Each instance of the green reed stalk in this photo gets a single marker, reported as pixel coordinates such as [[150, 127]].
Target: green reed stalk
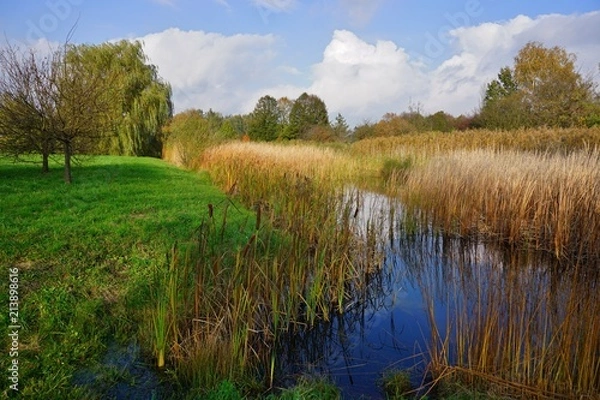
[[161, 327], [298, 265]]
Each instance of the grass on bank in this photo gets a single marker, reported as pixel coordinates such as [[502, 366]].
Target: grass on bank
[[86, 253]]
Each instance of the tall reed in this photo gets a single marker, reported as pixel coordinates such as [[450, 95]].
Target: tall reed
[[549, 202], [541, 140], [236, 162], [517, 324], [306, 257]]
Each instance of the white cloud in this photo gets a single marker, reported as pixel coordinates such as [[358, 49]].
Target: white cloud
[[365, 79], [457, 83], [361, 80], [210, 70]]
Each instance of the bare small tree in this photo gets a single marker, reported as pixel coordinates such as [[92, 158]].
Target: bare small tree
[[79, 105], [24, 128], [52, 100]]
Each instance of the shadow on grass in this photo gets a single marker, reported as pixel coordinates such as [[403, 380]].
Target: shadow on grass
[[86, 168]]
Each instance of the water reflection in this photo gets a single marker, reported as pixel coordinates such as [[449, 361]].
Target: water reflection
[[460, 302]]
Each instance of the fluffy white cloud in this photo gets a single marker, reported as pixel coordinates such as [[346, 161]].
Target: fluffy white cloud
[[361, 80], [456, 84], [365, 79], [210, 70]]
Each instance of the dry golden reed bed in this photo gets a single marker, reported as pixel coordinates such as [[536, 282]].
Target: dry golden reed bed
[[529, 140], [537, 188], [322, 164], [549, 202]]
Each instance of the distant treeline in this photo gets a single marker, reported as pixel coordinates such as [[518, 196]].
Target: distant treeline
[[542, 89], [107, 99]]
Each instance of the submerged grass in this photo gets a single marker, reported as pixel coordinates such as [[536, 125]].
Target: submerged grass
[[301, 264]]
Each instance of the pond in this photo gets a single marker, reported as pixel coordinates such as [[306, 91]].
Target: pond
[[458, 301]]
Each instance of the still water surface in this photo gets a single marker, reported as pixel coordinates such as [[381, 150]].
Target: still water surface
[[423, 277]]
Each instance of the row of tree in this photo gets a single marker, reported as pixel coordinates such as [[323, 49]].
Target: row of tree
[[190, 131], [84, 99], [107, 99], [542, 89], [285, 119]]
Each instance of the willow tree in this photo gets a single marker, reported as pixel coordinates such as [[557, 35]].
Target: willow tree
[[142, 99]]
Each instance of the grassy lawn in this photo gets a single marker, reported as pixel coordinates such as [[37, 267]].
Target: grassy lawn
[[86, 254]]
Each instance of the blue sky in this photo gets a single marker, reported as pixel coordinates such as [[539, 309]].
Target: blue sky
[[362, 57]]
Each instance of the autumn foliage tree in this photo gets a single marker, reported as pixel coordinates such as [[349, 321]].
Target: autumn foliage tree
[[393, 124], [542, 89]]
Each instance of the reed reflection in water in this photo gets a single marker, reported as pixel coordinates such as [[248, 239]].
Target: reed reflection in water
[[519, 322]]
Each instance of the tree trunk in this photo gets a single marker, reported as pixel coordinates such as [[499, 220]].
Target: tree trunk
[[45, 155], [45, 167], [68, 149]]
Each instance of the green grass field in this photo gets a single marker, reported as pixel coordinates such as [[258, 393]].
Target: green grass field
[[86, 254]]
